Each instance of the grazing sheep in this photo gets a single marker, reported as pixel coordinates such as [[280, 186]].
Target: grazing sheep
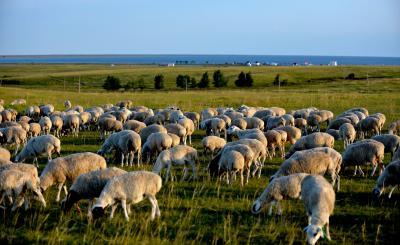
[[334, 132], [125, 104], [6, 116], [233, 114], [347, 134], [71, 122], [278, 111], [254, 122], [389, 178], [394, 128], [109, 125], [178, 155], [313, 121], [14, 184], [13, 135], [189, 126], [274, 139], [214, 126], [129, 188], [57, 124], [68, 168], [18, 102], [84, 120], [311, 141], [359, 109], [284, 187], [336, 123], [67, 104], [289, 120], [212, 144], [381, 119], [154, 128], [45, 124], [368, 126], [46, 110], [156, 143], [326, 116], [208, 113], [313, 161], [390, 141], [293, 133], [301, 123], [274, 122], [126, 142], [44, 144], [362, 153], [240, 123], [232, 162], [134, 125], [175, 139], [34, 130], [32, 111], [195, 117], [5, 154], [319, 201], [89, 186]]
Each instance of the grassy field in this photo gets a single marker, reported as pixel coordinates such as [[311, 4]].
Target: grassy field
[[204, 211]]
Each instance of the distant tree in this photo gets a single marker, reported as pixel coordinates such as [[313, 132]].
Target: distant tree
[[351, 76], [140, 84], [204, 81], [193, 83], [159, 81], [130, 85], [249, 80], [276, 80], [112, 83], [241, 81], [182, 81], [219, 79]]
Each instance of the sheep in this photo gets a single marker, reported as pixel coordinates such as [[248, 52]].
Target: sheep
[[248, 158], [154, 128], [44, 144], [293, 133], [319, 160], [263, 113], [6, 116], [212, 144], [129, 188], [13, 135], [326, 116], [175, 139], [84, 120], [178, 155], [214, 126], [301, 123], [34, 130], [394, 128], [67, 104], [274, 139], [156, 143], [240, 123], [311, 141], [125, 104], [389, 178], [381, 118], [109, 125], [134, 125], [334, 133], [71, 122], [189, 126], [233, 114], [274, 122], [5, 154], [195, 117], [126, 142], [347, 134], [57, 124], [228, 120], [89, 186], [14, 184], [175, 115], [368, 126], [208, 113], [313, 121], [289, 120], [68, 168], [362, 153], [46, 110], [390, 141], [45, 124], [278, 111], [336, 123], [319, 201], [359, 109], [279, 188], [32, 111], [254, 122], [18, 102], [232, 162]]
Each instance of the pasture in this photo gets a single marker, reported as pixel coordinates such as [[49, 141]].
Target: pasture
[[206, 211]]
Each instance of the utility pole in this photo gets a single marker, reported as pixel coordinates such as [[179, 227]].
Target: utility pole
[[79, 84], [64, 83], [186, 83], [368, 82]]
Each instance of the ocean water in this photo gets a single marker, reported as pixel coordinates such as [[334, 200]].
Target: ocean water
[[201, 59]]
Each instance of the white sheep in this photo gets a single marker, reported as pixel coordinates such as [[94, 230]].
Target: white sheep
[[311, 141], [89, 186], [347, 133], [232, 162], [212, 144], [178, 155], [134, 125], [45, 124], [57, 124], [175, 139], [156, 143], [390, 141], [319, 201], [13, 135], [177, 129], [147, 131], [389, 178], [68, 168], [44, 144], [293, 133], [5, 154], [34, 130], [394, 128], [195, 117], [71, 122], [129, 188], [189, 126], [368, 126], [283, 187], [274, 139]]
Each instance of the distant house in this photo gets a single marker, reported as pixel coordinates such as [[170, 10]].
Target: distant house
[[257, 63], [168, 64], [248, 63], [333, 63]]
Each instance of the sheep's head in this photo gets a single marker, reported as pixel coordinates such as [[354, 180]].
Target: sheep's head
[[376, 194], [314, 232], [72, 198], [257, 206], [97, 212], [38, 196]]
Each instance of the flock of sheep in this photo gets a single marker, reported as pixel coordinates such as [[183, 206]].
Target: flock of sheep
[[238, 140]]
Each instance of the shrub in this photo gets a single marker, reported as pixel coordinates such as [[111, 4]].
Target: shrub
[[112, 83], [182, 80], [159, 81], [351, 76], [204, 81], [219, 79], [241, 81]]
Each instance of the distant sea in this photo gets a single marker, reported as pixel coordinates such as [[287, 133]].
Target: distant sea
[[201, 59]]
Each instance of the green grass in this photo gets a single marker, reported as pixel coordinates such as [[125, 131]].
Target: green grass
[[204, 211]]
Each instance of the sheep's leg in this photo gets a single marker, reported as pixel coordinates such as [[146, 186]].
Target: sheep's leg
[[122, 159], [270, 207], [90, 214], [247, 175], [190, 139], [373, 171], [155, 211], [128, 208], [241, 178], [167, 173], [355, 170], [338, 183], [16, 149], [185, 173], [131, 156], [328, 235], [278, 206], [194, 171], [65, 190], [227, 177], [361, 172], [123, 204], [391, 191], [60, 185]]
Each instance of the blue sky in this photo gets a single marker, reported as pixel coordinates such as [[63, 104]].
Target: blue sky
[[281, 27]]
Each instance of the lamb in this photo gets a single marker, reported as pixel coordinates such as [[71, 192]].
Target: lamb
[[311, 141], [5, 154], [71, 122], [34, 130], [195, 117], [178, 155], [232, 162], [319, 201], [212, 144], [13, 135], [89, 186], [154, 128], [362, 153], [126, 142], [279, 188], [389, 178], [129, 188], [274, 139], [109, 125], [301, 123], [68, 168], [394, 128], [347, 134], [156, 143], [14, 184], [57, 124], [319, 161], [134, 125], [44, 144], [390, 141], [293, 133], [45, 124]]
